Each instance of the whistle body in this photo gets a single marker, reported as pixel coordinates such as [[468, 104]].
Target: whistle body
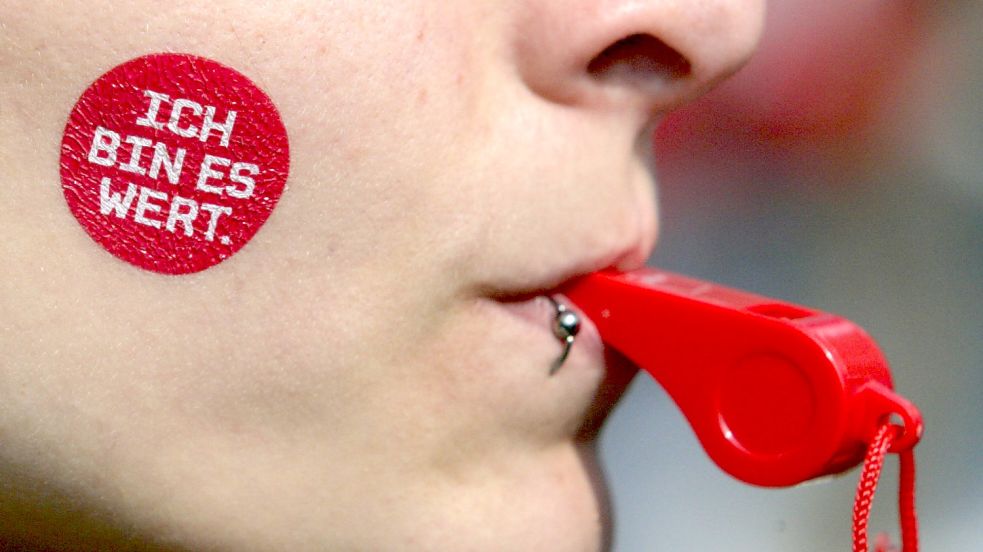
[[776, 393]]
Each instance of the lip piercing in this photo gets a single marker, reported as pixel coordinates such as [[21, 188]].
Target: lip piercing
[[565, 328]]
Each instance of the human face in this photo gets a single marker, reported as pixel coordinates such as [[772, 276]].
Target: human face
[[369, 373]]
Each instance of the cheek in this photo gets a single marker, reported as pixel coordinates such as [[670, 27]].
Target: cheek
[[365, 250], [379, 124]]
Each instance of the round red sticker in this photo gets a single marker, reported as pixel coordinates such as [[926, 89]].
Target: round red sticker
[[173, 162]]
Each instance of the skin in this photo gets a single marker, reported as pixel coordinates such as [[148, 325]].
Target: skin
[[353, 378]]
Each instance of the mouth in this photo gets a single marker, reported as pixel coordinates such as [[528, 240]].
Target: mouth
[[593, 377]]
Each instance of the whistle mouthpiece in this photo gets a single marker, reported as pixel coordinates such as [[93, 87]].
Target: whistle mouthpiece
[[777, 393]]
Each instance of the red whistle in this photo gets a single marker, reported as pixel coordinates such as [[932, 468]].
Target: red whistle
[[777, 393]]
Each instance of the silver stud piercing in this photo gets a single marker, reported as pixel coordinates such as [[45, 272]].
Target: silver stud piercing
[[565, 328]]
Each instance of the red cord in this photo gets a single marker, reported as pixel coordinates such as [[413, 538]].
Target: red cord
[[868, 486], [906, 502]]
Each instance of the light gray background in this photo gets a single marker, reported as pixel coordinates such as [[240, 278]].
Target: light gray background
[[898, 249]]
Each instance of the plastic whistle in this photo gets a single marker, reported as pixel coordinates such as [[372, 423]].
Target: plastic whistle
[[777, 393]]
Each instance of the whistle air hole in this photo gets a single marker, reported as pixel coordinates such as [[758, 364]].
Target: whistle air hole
[[781, 310], [767, 405]]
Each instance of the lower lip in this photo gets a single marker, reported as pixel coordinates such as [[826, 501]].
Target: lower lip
[[541, 313], [605, 374]]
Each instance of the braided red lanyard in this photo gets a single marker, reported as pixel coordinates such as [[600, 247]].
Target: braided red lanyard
[[868, 485]]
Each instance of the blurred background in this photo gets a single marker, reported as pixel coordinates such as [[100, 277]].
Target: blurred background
[[842, 169]]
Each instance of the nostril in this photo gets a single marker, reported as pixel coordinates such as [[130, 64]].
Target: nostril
[[639, 58]]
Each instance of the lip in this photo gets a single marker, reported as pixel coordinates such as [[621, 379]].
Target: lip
[[607, 372], [601, 374], [629, 257], [539, 312]]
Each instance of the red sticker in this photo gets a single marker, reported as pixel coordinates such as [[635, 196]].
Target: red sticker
[[173, 162]]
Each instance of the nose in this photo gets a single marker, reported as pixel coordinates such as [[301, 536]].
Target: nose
[[644, 55]]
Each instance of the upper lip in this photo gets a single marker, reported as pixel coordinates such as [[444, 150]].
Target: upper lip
[[623, 259], [620, 245]]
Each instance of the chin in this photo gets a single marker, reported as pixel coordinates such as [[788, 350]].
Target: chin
[[552, 500]]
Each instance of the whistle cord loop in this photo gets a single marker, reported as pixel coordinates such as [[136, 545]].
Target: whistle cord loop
[[869, 477]]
